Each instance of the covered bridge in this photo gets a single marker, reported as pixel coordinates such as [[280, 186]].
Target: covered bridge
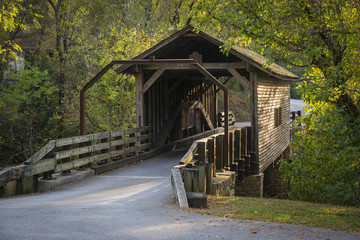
[[177, 85]]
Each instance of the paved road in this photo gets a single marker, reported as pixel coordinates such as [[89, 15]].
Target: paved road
[[297, 105], [131, 203]]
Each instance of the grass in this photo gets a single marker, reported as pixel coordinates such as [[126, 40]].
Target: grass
[[285, 211]]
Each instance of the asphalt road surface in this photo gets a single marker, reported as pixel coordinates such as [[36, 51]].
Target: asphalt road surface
[[297, 105], [131, 203]]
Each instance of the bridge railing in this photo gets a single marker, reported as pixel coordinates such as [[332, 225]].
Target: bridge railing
[[206, 158], [211, 149], [64, 154]]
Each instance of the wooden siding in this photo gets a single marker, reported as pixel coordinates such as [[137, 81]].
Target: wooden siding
[[272, 94]]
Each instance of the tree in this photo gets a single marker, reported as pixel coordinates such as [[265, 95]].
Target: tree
[[8, 24], [27, 115], [322, 38], [75, 40]]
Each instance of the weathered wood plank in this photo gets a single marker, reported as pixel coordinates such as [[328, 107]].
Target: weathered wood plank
[[179, 189], [11, 174], [123, 141], [139, 101], [211, 66], [211, 154], [202, 177], [238, 77], [81, 139], [81, 162], [231, 149], [243, 142], [202, 150], [42, 166], [118, 133], [237, 144], [144, 146], [189, 155], [117, 153], [219, 152], [81, 150], [144, 137], [41, 153]]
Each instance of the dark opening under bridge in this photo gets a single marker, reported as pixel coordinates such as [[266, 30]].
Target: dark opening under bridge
[[176, 102]]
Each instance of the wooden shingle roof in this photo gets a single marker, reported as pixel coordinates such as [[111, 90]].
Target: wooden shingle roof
[[245, 54]]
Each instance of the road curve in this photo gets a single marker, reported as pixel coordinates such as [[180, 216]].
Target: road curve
[[131, 203]]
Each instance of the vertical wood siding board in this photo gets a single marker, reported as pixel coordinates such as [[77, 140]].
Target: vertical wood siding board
[[161, 100], [157, 96], [280, 98], [153, 107], [139, 99]]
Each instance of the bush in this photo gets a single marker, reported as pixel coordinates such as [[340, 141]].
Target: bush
[[325, 167]]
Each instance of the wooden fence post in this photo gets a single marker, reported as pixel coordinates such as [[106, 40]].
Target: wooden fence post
[[250, 142], [243, 142], [237, 144], [65, 160], [202, 177], [202, 151], [191, 179], [119, 147], [219, 152], [104, 140], [132, 144], [209, 177], [231, 149], [211, 154]]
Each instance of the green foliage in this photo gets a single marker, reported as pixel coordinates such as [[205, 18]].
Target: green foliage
[[74, 40], [27, 114], [14, 17], [326, 166], [294, 93], [8, 23], [321, 37], [111, 103]]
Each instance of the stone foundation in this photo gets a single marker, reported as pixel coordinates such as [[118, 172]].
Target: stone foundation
[[224, 184], [252, 186], [22, 186], [273, 182]]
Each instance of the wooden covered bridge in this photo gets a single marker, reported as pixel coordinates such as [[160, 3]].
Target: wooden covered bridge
[[176, 97]]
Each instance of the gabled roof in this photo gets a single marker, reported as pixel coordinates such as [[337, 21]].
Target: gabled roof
[[245, 54]]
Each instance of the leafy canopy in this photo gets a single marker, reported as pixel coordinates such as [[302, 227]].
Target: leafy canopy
[[322, 38]]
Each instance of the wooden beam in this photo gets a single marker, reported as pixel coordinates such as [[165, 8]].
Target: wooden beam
[[254, 113], [242, 81], [225, 82], [139, 99], [200, 106], [152, 79], [211, 66]]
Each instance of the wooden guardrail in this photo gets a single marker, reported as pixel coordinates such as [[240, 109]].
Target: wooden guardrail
[[64, 154], [241, 158]]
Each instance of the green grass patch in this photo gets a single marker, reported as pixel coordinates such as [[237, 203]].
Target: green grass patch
[[285, 211]]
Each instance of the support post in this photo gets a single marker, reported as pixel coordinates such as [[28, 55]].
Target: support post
[[82, 112], [139, 99], [202, 151], [211, 154], [237, 144], [219, 152], [231, 149]]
